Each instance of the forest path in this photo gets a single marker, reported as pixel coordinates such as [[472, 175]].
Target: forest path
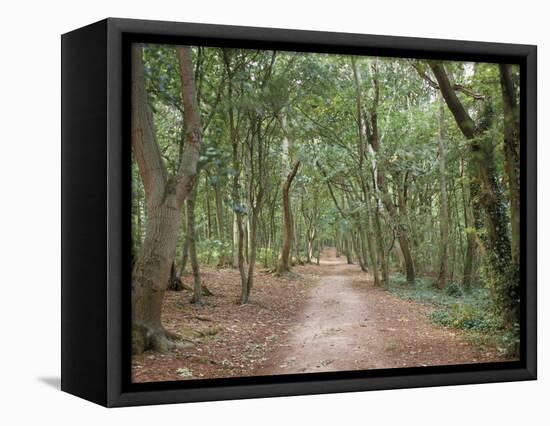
[[346, 324]]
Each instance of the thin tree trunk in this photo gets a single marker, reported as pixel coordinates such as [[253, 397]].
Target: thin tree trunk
[[284, 264], [443, 204], [347, 251], [356, 248], [245, 295], [220, 228], [192, 237], [235, 240], [209, 231], [318, 252], [238, 225], [185, 251], [371, 243], [471, 243]]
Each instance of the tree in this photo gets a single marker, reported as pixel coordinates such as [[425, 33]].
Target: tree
[[164, 197], [370, 121], [491, 197], [287, 176]]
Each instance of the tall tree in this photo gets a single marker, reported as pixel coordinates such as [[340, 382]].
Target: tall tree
[[504, 275], [164, 195], [370, 119], [286, 178]]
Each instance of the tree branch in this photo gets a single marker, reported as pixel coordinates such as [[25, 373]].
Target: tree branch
[[463, 119], [456, 87], [146, 150]]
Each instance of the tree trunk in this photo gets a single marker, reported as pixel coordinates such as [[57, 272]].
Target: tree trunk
[[246, 228], [356, 248], [284, 264], [175, 283], [238, 208], [220, 228], [192, 237], [401, 233], [235, 240], [164, 196], [318, 252], [511, 153], [310, 241], [297, 241], [245, 294], [149, 277], [443, 204], [379, 253], [184, 255], [471, 243], [364, 244], [347, 251], [206, 197]]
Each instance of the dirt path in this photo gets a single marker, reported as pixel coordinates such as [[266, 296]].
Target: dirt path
[[321, 318], [348, 324]]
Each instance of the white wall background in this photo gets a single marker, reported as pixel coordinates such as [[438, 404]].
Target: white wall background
[[30, 210]]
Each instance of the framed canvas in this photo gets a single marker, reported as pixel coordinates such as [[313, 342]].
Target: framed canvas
[[256, 212]]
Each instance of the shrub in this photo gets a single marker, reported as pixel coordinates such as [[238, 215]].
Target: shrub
[[454, 290], [464, 316]]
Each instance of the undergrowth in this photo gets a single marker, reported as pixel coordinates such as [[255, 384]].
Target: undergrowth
[[470, 312]]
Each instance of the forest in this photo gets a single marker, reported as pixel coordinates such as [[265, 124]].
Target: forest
[[378, 195]]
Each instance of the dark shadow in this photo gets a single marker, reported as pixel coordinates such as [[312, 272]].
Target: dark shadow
[[54, 382]]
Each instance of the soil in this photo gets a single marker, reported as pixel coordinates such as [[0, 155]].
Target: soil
[[319, 318]]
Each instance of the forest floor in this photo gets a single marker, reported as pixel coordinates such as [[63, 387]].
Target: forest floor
[[319, 318]]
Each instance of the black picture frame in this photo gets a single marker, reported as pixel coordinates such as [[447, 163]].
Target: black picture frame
[[95, 212]]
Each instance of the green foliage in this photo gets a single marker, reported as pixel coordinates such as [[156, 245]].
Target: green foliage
[[467, 316], [454, 289], [209, 249], [473, 312]]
